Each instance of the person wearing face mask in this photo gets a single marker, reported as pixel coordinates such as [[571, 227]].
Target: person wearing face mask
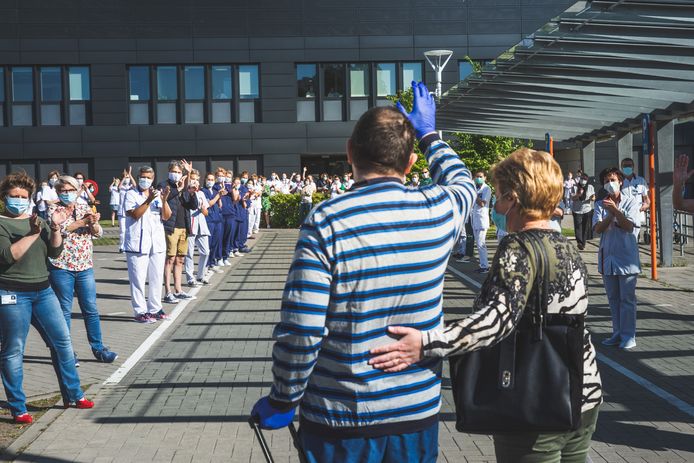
[[46, 196], [84, 195], [499, 221], [214, 221], [414, 183], [229, 212], [480, 219], [568, 190], [145, 245], [347, 181], [307, 198], [72, 272], [636, 186], [582, 211], [26, 297], [246, 203], [255, 209], [114, 202], [199, 234], [182, 200], [528, 184], [240, 203], [617, 221], [127, 182]]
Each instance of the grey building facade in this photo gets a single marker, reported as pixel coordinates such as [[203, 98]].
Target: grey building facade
[[263, 85]]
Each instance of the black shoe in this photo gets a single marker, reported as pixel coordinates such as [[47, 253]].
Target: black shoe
[[245, 250]]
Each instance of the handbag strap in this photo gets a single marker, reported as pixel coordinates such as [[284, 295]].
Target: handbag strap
[[541, 284]]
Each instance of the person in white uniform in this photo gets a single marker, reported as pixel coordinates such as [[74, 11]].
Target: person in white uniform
[[199, 235], [480, 219], [127, 182], [636, 186], [145, 245]]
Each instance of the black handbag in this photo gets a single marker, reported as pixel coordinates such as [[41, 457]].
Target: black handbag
[[532, 380]]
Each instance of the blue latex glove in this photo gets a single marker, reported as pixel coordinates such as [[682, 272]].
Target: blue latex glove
[[423, 115], [269, 417]]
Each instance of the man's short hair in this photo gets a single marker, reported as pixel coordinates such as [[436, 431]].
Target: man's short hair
[[175, 163], [146, 170], [382, 141], [627, 160]]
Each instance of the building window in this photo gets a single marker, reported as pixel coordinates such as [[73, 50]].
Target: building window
[[138, 77], [359, 90], [344, 91], [167, 95], [248, 93], [80, 94], [464, 69], [222, 91], [411, 72], [386, 85], [51, 95], [306, 83], [194, 94], [333, 80], [22, 96], [194, 107]]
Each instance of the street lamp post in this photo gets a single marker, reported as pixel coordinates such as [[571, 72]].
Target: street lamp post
[[438, 59]]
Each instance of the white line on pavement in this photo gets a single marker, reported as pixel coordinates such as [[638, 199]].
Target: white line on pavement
[[135, 357], [666, 396], [116, 313]]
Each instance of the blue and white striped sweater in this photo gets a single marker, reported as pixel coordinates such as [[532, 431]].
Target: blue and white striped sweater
[[371, 258]]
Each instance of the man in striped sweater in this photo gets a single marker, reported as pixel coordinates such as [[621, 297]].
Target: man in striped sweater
[[368, 259]]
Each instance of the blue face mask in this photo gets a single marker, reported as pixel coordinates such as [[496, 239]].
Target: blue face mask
[[68, 198], [499, 218], [17, 206], [628, 171], [479, 181]]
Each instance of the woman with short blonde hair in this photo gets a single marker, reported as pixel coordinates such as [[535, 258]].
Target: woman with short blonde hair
[[528, 186]]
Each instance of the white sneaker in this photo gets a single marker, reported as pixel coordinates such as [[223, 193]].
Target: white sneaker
[[170, 298], [204, 280], [218, 269], [238, 254], [226, 262], [193, 283]]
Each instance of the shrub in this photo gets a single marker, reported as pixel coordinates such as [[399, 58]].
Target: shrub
[[285, 211]]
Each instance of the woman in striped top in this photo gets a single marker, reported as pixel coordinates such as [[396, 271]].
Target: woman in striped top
[[528, 185]]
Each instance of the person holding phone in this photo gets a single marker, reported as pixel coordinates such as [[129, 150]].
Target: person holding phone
[[145, 245]]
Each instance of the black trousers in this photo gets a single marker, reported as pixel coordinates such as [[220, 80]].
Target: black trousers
[[582, 227]]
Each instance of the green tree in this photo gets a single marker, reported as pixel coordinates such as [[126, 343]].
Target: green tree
[[479, 152]]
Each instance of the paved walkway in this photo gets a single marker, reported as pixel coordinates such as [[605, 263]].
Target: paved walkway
[[188, 399]]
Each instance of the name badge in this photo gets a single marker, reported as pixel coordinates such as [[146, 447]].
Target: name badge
[[8, 299]]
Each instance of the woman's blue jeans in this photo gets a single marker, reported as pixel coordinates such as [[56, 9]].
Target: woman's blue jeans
[[41, 309], [66, 284]]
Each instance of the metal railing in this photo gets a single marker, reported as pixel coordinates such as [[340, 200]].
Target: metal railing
[[682, 230]]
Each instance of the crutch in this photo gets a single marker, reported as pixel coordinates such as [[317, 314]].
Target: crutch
[[266, 449]]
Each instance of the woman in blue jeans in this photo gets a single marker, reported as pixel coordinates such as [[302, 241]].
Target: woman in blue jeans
[[27, 298], [72, 271]]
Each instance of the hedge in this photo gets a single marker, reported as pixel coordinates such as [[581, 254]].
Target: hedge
[[286, 208]]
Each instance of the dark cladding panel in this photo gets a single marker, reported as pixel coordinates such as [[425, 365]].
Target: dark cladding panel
[[264, 145], [223, 147], [440, 27]]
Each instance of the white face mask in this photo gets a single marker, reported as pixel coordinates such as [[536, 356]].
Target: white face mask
[[209, 183], [175, 176], [145, 183], [80, 181], [611, 187], [221, 179], [584, 182]]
